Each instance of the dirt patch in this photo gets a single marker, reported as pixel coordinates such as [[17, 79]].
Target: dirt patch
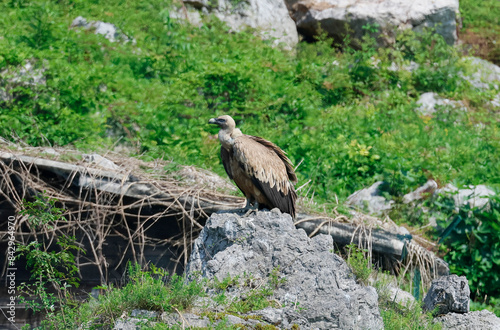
[[484, 44]]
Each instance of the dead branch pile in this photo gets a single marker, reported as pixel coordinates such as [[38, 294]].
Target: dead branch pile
[[110, 206]]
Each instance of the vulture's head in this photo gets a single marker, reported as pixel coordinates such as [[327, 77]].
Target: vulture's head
[[224, 122]]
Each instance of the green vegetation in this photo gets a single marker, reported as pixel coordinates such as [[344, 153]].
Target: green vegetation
[[396, 316], [53, 272], [152, 290], [359, 263], [155, 290], [347, 115], [472, 241]]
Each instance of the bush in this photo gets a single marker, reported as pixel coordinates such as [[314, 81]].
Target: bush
[[53, 269], [472, 247]]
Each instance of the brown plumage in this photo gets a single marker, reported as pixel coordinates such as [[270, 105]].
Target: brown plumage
[[259, 168]]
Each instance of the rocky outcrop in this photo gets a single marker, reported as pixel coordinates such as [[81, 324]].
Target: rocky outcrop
[[449, 294], [269, 17], [339, 18], [315, 278], [370, 199]]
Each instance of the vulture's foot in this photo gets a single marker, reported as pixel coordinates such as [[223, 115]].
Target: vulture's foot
[[250, 211], [249, 208], [246, 211]]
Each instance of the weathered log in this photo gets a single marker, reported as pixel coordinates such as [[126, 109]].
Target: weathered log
[[125, 185], [382, 241]]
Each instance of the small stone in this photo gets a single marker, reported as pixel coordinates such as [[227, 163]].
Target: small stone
[[141, 313], [448, 294], [401, 297], [370, 199], [108, 30], [428, 188], [430, 103], [100, 161]]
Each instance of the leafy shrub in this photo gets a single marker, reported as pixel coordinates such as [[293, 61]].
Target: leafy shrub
[[472, 247], [51, 268]]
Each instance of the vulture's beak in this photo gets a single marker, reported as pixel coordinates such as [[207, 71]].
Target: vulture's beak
[[212, 121]]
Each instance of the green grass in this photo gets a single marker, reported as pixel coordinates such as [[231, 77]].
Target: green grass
[[155, 290], [151, 290], [484, 14]]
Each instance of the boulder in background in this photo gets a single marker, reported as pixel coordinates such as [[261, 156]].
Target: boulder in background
[[337, 17]]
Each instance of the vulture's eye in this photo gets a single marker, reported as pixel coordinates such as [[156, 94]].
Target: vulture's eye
[[222, 120]]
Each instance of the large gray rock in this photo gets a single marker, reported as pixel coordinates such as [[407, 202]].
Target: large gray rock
[[474, 196], [317, 280], [449, 294], [269, 17], [430, 103], [427, 189], [108, 30], [333, 16], [29, 75], [478, 320], [370, 199]]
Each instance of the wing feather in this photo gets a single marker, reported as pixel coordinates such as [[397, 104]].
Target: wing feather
[[286, 203], [281, 154], [269, 169], [226, 161]]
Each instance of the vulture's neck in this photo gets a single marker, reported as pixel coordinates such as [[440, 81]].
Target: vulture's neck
[[227, 136]]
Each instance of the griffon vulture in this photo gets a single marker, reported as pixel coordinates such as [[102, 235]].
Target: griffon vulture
[[259, 168]]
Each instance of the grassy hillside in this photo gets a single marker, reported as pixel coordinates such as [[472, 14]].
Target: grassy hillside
[[344, 114]]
